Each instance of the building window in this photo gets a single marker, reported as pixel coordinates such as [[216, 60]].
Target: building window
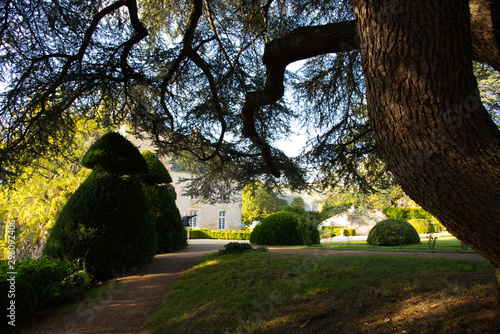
[[222, 220], [193, 221]]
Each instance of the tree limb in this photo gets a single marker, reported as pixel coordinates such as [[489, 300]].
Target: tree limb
[[312, 41]]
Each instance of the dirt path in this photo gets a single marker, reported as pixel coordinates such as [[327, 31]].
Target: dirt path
[[126, 308]]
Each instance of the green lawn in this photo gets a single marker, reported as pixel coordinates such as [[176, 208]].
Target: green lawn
[[276, 293], [445, 243]]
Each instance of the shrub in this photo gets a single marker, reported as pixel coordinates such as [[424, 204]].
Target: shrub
[[349, 232], [284, 228], [166, 217], [422, 225], [115, 154], [393, 232], [48, 277], [236, 246], [25, 297], [108, 222]]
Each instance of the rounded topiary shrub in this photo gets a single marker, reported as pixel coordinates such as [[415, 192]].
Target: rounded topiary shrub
[[115, 154], [421, 225], [107, 222], [393, 232], [284, 228]]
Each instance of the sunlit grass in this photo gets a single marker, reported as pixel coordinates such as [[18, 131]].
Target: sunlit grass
[[445, 243], [276, 293]]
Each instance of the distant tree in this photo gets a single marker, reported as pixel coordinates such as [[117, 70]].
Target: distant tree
[[259, 201], [298, 201], [43, 189]]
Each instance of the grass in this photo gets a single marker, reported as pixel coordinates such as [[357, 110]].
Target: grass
[[275, 293], [445, 243]]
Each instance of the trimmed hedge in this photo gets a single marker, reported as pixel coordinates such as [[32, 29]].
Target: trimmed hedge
[[393, 232], [336, 230], [407, 213], [285, 228], [219, 234], [422, 225], [107, 221]]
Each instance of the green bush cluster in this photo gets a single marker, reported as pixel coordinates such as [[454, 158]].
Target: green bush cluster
[[39, 283], [285, 228], [393, 232], [219, 234]]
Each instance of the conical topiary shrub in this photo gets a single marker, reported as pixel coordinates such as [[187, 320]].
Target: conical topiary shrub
[[107, 221], [115, 154], [166, 217]]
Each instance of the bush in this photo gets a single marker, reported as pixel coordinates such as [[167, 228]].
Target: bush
[[115, 154], [422, 225], [167, 220], [25, 297], [393, 232], [236, 246], [107, 221], [49, 279], [284, 228]]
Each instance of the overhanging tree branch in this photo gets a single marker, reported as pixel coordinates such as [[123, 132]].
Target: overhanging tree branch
[[307, 42]]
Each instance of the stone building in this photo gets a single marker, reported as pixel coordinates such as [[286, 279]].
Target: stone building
[[224, 215]]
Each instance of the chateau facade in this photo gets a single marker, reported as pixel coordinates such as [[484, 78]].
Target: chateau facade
[[221, 216]]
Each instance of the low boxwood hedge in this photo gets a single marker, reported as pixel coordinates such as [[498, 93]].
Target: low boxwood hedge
[[204, 233], [337, 230]]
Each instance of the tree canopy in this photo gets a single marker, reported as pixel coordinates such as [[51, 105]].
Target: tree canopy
[[190, 75]]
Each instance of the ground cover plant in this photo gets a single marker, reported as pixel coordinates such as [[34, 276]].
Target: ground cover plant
[[278, 293]]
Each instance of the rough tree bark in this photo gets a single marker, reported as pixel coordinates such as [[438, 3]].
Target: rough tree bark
[[436, 137]]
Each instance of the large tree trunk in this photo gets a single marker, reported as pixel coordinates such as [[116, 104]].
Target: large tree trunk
[[437, 139]]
